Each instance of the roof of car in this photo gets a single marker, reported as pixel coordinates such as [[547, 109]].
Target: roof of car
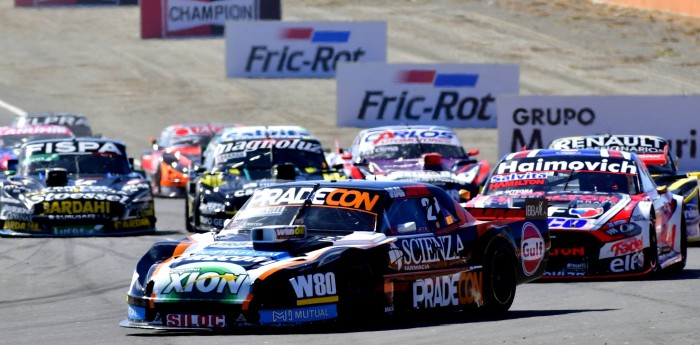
[[616, 141], [567, 152], [77, 139], [358, 184], [34, 129]]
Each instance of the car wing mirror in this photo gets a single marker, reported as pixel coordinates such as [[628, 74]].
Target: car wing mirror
[[406, 227]]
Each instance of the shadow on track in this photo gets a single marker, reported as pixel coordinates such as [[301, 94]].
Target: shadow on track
[[393, 323]]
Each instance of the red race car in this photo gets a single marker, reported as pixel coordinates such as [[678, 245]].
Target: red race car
[[171, 155]]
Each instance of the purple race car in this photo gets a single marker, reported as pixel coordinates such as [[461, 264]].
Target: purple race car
[[430, 154]]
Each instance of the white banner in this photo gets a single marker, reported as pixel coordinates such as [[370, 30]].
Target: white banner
[[270, 49], [454, 95], [185, 14], [534, 121]]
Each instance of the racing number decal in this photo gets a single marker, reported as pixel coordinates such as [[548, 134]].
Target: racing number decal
[[432, 208]]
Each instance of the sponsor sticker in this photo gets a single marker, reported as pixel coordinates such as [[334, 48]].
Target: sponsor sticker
[[315, 288], [531, 248], [338, 197], [536, 208], [462, 288], [195, 321], [425, 252], [629, 143], [74, 147], [136, 313], [307, 314], [622, 247], [602, 164]]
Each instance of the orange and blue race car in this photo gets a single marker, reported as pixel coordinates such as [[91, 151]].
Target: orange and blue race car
[[179, 147], [351, 251]]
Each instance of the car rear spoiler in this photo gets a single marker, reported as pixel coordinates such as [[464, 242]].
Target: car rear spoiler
[[535, 208]]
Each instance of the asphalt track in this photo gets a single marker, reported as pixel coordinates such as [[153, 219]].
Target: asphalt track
[[72, 291], [91, 60]]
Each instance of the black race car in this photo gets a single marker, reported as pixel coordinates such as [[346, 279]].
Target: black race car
[[236, 165], [318, 251], [75, 187]]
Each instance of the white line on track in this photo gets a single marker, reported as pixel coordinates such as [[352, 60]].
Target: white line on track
[[12, 108]]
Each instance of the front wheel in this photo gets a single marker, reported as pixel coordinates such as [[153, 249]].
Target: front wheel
[[188, 218], [358, 297], [679, 266], [499, 279], [651, 254], [155, 182]]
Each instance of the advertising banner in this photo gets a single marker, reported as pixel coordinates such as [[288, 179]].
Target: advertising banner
[[454, 95], [188, 18], [534, 121], [269, 49], [39, 3]]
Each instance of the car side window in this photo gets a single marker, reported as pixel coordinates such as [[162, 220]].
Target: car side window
[[406, 217], [417, 215], [645, 179], [164, 139]]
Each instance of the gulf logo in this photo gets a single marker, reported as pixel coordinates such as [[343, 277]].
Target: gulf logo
[[432, 77], [309, 34], [531, 248]]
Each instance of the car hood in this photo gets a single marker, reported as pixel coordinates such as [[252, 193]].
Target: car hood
[[191, 151], [114, 188], [250, 179], [223, 269], [571, 211]]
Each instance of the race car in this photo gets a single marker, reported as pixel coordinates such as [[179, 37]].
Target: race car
[[179, 146], [397, 150], [78, 124], [246, 159], [430, 169], [607, 217], [12, 138], [654, 151], [75, 187], [227, 134], [349, 251]]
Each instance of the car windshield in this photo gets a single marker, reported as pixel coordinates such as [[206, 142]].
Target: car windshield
[[662, 169], [320, 209], [191, 140], [316, 218], [80, 163], [413, 150], [556, 178], [15, 141], [265, 158]]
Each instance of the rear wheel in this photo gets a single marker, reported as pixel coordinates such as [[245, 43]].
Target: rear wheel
[[499, 279]]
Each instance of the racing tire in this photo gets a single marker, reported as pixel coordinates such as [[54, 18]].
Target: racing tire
[[188, 219], [651, 254], [358, 301], [499, 279], [679, 266], [155, 183]]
